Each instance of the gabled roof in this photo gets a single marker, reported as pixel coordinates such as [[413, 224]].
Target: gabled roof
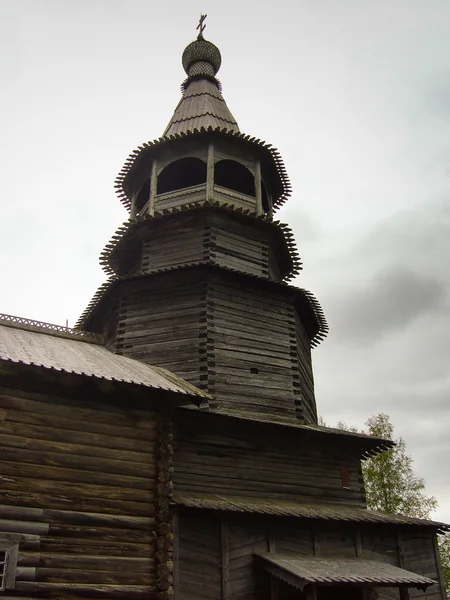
[[31, 343], [202, 106]]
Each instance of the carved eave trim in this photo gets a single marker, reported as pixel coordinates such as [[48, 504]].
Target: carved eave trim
[[128, 227], [322, 328], [272, 153], [99, 294]]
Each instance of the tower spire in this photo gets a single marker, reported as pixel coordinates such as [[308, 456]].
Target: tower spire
[[202, 104]]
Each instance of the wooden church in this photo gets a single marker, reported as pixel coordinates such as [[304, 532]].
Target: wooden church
[[168, 446]]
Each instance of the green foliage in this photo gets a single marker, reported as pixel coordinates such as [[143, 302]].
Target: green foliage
[[391, 485], [444, 549]]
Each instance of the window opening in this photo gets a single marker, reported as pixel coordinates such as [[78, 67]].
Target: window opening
[[234, 176], [8, 564], [183, 173]]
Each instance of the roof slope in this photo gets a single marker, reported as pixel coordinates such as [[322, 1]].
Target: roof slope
[[52, 350], [289, 508], [202, 105], [338, 570]]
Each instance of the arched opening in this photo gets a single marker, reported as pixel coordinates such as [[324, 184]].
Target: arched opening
[[143, 196], [180, 174], [234, 176]]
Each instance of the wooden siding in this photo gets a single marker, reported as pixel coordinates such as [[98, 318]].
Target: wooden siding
[[254, 372], [212, 331], [78, 491], [160, 324], [418, 554], [214, 237], [214, 455], [240, 252], [217, 552], [174, 244], [199, 571], [304, 373]]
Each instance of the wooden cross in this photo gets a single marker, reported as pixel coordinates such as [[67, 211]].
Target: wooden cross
[[201, 27]]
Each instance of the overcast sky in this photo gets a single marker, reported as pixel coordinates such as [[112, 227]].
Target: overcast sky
[[356, 96]]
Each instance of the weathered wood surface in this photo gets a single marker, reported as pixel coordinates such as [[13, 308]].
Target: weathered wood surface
[[419, 555], [160, 325], [200, 555], [78, 482], [217, 551], [252, 371], [214, 456]]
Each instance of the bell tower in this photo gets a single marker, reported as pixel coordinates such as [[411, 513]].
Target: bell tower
[[199, 274]]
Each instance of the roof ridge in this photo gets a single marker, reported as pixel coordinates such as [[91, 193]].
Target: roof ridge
[[52, 329]]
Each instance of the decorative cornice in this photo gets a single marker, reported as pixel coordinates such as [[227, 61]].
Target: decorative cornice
[[127, 226], [273, 152], [50, 328], [322, 325]]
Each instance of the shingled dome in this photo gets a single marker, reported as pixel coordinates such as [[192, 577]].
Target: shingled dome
[[201, 58]]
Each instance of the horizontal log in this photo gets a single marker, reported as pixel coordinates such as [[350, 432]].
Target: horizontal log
[[49, 458], [43, 499], [88, 590]]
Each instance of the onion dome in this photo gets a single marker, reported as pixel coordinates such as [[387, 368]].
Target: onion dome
[[201, 58]]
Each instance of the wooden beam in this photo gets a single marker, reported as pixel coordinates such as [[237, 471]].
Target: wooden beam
[[358, 545], [225, 560], [153, 188], [133, 206], [210, 173], [258, 191], [439, 567]]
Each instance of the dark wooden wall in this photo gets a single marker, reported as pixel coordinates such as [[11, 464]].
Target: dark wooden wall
[[214, 454], [241, 341], [256, 360], [217, 562], [77, 488], [160, 323]]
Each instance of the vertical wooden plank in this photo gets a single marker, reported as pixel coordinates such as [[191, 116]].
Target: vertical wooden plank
[[439, 567], [176, 554], [315, 539], [133, 206], [225, 560], [153, 188], [210, 173], [311, 592], [274, 588], [259, 206], [358, 544]]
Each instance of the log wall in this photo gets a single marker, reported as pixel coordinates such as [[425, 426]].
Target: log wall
[[78, 491], [220, 238], [212, 330], [218, 455], [160, 323]]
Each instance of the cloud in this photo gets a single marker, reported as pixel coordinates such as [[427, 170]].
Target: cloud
[[395, 297]]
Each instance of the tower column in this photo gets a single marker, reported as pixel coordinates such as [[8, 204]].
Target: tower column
[[153, 188], [258, 191], [133, 206], [210, 173]]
